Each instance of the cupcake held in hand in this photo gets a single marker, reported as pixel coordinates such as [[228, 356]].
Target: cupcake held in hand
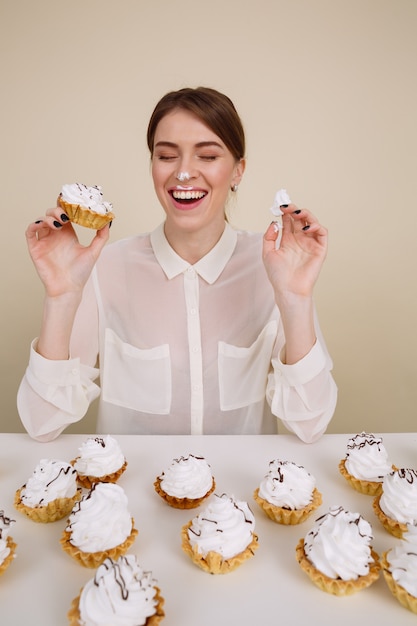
[[337, 555], [121, 593], [222, 536], [85, 205], [186, 483], [366, 463], [288, 493], [7, 545], [99, 526], [100, 459], [50, 493]]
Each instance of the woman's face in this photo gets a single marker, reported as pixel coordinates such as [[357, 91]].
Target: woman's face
[[183, 143]]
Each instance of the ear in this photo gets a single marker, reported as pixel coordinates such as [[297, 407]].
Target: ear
[[239, 171]]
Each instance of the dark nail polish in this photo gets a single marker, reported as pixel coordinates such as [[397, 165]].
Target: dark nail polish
[[57, 224], [64, 217], [38, 221], [306, 227], [110, 223], [297, 212], [284, 205]]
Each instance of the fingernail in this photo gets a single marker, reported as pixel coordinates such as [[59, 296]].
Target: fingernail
[[57, 224], [110, 223], [306, 227], [284, 205], [64, 217], [297, 212], [38, 221]]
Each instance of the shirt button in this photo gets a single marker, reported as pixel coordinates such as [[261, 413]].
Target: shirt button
[[195, 349], [74, 372], [193, 311]]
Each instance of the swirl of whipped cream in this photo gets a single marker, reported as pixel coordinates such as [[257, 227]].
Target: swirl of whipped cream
[[403, 561], [5, 523], [399, 495], [99, 456], [367, 458], [101, 519], [88, 197], [281, 198], [287, 485], [51, 479], [187, 477], [120, 594], [339, 544], [225, 526]]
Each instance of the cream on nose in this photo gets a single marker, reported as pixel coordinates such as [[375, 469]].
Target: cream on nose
[[183, 176]]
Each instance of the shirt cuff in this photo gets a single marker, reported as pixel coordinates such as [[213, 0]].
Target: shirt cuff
[[58, 373], [304, 370]]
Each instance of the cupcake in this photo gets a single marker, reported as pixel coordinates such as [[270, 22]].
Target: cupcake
[[396, 506], [50, 493], [121, 592], [399, 567], [100, 459], [222, 536], [99, 526], [7, 545], [85, 206], [366, 463], [288, 493], [186, 483], [336, 553]]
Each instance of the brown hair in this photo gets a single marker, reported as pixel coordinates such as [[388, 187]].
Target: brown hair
[[213, 108]]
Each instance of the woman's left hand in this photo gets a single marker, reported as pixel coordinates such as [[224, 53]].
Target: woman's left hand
[[294, 267]]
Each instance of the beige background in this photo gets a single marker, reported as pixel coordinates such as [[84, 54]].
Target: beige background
[[328, 94]]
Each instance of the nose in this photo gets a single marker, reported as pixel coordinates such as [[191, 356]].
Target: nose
[[186, 171]]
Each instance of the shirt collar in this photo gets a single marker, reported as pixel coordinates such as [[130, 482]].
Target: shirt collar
[[209, 267]]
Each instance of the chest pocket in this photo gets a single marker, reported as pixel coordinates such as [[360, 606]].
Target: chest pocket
[[243, 372], [134, 378]]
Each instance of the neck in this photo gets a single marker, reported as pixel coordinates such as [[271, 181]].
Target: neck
[[193, 245]]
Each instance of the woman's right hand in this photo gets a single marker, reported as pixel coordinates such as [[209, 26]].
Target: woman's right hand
[[63, 264]]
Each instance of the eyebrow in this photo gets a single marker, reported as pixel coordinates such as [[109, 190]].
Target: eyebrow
[[200, 144]]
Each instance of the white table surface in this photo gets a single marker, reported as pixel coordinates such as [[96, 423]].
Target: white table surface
[[39, 585]]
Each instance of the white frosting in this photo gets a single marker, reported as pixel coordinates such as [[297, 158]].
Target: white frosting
[[101, 519], [367, 458], [99, 456], [287, 485], [5, 523], [225, 526], [339, 544], [187, 477], [399, 496], [120, 594], [281, 198], [403, 561], [88, 197], [51, 479]]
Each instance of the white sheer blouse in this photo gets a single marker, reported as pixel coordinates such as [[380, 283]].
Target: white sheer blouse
[[181, 349]]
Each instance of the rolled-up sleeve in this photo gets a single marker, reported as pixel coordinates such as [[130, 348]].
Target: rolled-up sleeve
[[58, 392], [303, 395]]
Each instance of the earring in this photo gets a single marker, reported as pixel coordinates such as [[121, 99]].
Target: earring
[[234, 187]]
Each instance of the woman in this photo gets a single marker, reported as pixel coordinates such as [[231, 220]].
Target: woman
[[192, 335]]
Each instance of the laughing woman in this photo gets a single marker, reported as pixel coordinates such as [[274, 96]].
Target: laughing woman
[[194, 328]]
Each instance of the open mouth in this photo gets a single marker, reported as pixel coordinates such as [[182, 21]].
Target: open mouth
[[187, 196]]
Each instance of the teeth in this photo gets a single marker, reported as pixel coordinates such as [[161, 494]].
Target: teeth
[[188, 195]]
